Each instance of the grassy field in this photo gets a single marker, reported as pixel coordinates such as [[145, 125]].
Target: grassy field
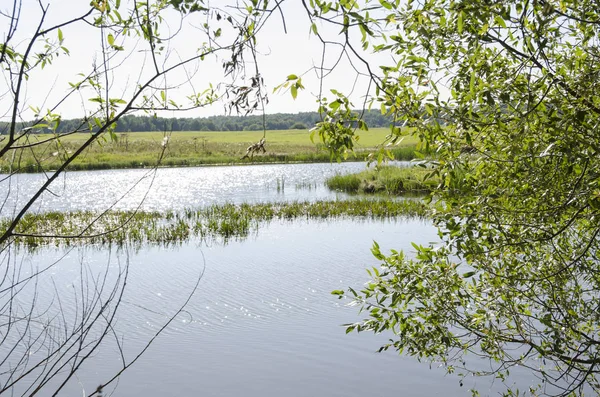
[[389, 179], [142, 149]]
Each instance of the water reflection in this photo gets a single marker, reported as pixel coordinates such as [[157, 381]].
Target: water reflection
[[263, 321]]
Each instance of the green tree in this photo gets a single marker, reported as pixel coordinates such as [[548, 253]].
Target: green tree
[[298, 126], [506, 94]]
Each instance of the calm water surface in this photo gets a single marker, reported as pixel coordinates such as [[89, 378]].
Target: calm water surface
[[263, 321]]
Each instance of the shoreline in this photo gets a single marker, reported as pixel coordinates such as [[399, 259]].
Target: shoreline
[[33, 169]]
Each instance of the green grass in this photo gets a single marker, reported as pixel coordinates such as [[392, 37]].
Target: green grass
[[386, 179], [142, 149], [221, 222]]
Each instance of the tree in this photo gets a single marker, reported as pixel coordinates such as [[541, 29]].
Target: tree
[[298, 126], [506, 94], [42, 344]]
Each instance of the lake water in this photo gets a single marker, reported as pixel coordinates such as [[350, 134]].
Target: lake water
[[176, 188], [262, 321]]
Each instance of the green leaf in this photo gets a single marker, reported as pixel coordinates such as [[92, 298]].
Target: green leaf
[[500, 21], [363, 32], [385, 4], [111, 39], [362, 126], [313, 28]]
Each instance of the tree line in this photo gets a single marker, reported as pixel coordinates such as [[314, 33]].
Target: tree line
[[134, 123]]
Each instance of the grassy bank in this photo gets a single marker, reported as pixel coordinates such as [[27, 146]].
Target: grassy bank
[[216, 222], [141, 149], [388, 179]]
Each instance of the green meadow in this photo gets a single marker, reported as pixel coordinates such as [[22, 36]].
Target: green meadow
[[143, 149]]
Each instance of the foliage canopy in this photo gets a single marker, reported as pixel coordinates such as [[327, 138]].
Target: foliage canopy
[[515, 278]]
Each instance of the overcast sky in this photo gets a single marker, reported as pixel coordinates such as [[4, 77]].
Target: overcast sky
[[281, 54]]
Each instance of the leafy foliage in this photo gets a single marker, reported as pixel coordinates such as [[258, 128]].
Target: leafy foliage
[[515, 277]]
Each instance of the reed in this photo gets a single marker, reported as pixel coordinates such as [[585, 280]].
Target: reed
[[217, 222]]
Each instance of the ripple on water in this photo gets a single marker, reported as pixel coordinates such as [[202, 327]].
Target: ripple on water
[[263, 320]]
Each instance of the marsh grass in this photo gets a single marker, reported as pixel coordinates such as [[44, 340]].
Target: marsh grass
[[218, 222], [141, 149], [306, 186], [391, 180]]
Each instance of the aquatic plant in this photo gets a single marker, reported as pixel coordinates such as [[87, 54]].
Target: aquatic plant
[[385, 179], [216, 222]]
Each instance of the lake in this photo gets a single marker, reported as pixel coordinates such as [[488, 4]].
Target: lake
[[177, 188], [262, 321]]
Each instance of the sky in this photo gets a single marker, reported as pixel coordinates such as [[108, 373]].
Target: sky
[[280, 53]]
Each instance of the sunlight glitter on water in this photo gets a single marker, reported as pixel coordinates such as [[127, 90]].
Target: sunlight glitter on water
[[177, 188]]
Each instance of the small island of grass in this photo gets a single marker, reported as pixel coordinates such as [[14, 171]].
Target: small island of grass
[[386, 179]]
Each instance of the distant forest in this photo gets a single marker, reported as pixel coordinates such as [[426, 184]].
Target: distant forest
[[278, 121]]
